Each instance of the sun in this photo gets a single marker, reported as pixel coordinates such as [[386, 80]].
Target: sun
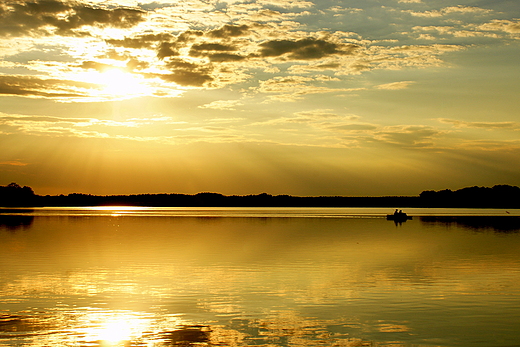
[[115, 83], [118, 83]]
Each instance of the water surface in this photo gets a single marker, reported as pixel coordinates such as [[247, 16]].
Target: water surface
[[258, 277]]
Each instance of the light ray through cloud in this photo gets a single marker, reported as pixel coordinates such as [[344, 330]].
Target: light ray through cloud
[[161, 80]]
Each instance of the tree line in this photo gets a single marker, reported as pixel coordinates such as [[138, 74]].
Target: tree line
[[498, 196]]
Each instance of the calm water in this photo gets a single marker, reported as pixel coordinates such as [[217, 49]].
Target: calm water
[[259, 277]]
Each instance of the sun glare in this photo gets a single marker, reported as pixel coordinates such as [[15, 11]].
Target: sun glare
[[118, 208], [116, 211], [114, 329], [115, 332], [116, 83]]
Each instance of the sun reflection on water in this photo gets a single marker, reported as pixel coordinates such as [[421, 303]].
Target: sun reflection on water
[[127, 328], [117, 332], [116, 211], [112, 329]]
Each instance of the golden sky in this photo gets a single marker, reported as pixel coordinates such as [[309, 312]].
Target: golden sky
[[331, 97]]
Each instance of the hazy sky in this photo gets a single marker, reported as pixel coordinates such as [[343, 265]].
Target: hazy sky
[[331, 97]]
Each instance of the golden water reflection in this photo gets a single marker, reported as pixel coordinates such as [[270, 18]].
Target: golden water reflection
[[112, 328], [87, 327], [95, 327], [160, 281]]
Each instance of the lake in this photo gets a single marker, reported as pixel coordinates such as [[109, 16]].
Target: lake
[[259, 277]]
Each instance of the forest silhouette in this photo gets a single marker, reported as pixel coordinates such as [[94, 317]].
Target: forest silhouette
[[498, 196]]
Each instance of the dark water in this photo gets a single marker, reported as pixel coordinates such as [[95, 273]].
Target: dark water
[[259, 277]]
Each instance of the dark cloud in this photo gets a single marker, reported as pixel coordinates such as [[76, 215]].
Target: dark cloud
[[330, 66], [42, 17], [187, 74], [225, 57], [212, 47], [224, 49], [304, 49], [216, 52], [189, 36], [171, 48], [169, 43], [167, 49], [119, 17], [229, 31], [37, 87], [188, 78], [94, 65], [142, 41], [176, 64]]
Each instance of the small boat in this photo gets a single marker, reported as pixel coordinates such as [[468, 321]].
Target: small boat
[[398, 217]]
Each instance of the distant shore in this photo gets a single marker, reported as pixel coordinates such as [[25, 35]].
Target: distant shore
[[498, 196]]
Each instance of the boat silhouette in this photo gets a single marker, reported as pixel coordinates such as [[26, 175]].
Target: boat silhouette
[[398, 216]]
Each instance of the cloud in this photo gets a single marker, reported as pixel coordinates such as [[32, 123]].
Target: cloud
[[395, 85], [481, 125], [466, 9], [369, 57], [141, 41], [86, 127], [31, 86], [449, 30], [408, 136], [236, 45], [512, 27], [46, 17], [499, 146], [340, 9], [353, 127], [293, 88], [322, 114], [287, 3], [168, 57], [33, 122], [13, 163], [316, 116], [304, 49], [227, 31], [188, 75], [319, 118], [222, 104], [216, 52], [102, 84], [442, 29], [450, 10]]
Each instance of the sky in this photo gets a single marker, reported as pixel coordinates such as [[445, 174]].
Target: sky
[[307, 98]]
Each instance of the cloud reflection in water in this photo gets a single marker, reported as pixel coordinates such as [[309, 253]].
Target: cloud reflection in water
[[168, 281]]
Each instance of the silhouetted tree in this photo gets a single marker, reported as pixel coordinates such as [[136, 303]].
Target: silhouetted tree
[[499, 196], [15, 195]]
